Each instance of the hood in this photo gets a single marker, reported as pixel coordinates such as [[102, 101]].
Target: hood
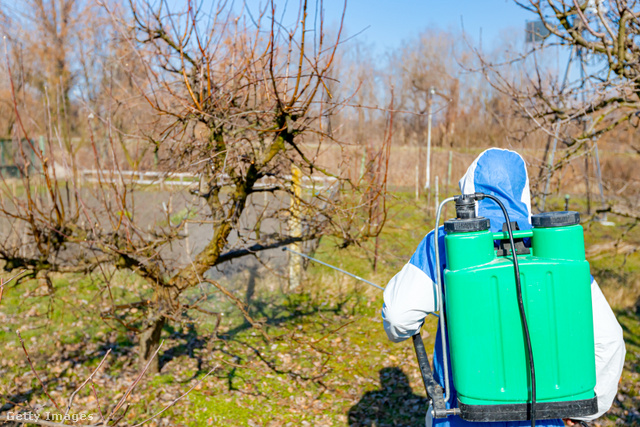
[[502, 173]]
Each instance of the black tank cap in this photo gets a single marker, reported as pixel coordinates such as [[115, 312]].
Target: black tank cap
[[466, 225], [465, 206], [555, 219]]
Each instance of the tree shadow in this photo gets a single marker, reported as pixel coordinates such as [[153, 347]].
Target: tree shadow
[[394, 404], [190, 342], [631, 337], [251, 284], [275, 313]]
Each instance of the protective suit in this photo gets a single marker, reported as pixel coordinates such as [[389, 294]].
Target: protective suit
[[411, 294]]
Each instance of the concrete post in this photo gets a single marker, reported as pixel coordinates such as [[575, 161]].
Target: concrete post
[[427, 183], [295, 229]]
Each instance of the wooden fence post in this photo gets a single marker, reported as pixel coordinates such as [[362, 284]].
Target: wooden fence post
[[417, 182], [437, 195], [449, 169]]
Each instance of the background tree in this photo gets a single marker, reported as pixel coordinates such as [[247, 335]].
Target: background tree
[[57, 47], [598, 98]]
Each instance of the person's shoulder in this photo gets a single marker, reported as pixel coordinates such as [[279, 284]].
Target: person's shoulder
[[426, 248]]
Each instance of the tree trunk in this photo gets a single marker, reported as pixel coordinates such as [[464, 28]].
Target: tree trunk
[[149, 342]]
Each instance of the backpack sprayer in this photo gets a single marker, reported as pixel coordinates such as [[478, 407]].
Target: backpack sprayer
[[506, 305], [520, 349]]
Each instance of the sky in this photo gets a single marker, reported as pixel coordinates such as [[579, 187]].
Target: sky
[[386, 24]]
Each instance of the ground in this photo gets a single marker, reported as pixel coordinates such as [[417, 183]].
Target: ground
[[327, 362]]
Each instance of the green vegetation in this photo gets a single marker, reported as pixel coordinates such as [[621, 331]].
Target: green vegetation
[[328, 355]]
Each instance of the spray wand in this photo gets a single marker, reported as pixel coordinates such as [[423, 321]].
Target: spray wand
[[334, 267]]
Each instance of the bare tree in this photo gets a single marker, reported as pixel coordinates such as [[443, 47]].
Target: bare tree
[[606, 32], [237, 103], [577, 107]]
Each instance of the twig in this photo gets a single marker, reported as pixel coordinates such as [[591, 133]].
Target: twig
[[95, 394], [117, 420], [176, 400], [241, 306], [36, 373], [3, 282], [90, 378], [334, 331], [212, 313], [131, 387]]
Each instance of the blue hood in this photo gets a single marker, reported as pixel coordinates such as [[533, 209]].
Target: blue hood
[[502, 173]]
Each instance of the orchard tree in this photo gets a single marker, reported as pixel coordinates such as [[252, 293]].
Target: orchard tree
[[237, 102]]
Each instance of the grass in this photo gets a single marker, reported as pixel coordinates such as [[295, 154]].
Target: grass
[[328, 362], [626, 407]]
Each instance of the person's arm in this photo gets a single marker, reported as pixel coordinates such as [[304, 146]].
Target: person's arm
[[610, 352], [411, 294], [408, 298]]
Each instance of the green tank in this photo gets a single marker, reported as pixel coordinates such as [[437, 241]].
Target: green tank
[[485, 332]]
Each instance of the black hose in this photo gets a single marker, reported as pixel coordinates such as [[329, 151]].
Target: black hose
[[523, 317]]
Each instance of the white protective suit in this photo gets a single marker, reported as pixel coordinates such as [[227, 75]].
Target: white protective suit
[[411, 294]]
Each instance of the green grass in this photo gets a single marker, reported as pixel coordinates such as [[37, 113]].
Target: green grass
[[328, 356], [183, 214], [625, 410]]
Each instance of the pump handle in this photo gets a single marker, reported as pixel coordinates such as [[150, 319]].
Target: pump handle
[[433, 389]]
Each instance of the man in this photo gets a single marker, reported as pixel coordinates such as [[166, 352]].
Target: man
[[411, 294]]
